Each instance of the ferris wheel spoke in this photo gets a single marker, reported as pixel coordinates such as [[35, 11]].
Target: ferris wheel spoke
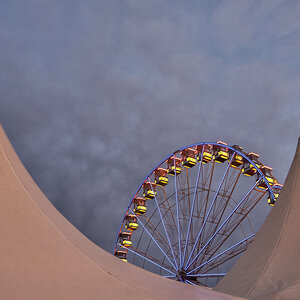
[[234, 248], [190, 282], [230, 189], [154, 231], [210, 177], [147, 258], [233, 223], [169, 209], [146, 251], [138, 243], [218, 215], [156, 243], [208, 213], [208, 275], [168, 214], [177, 212], [163, 223], [225, 221], [209, 189], [192, 208], [224, 259]]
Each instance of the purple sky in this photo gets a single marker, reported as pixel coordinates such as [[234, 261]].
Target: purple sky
[[94, 93]]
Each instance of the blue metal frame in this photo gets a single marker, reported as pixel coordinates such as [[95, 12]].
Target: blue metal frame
[[223, 252], [154, 240], [146, 258], [174, 153], [177, 212], [207, 215], [162, 220], [170, 276], [207, 275], [192, 283], [224, 222], [193, 204]]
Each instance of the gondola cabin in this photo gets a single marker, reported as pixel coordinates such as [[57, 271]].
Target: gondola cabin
[[239, 148], [149, 190], [174, 165], [276, 190], [221, 156], [267, 171], [125, 239], [149, 194], [221, 152], [161, 177], [237, 160], [139, 206], [140, 209], [205, 153], [189, 162], [271, 201], [131, 222], [249, 169], [121, 254], [188, 157]]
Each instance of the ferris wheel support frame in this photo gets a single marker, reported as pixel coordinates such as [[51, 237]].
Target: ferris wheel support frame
[[182, 264]]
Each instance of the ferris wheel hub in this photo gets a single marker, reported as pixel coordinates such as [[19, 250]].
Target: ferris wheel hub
[[181, 275]]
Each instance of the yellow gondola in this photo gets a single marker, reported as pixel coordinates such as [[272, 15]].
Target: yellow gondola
[[132, 226], [237, 160], [161, 176], [276, 190], [125, 239], [171, 170], [162, 181], [127, 243], [131, 222], [139, 205], [249, 169], [174, 165], [140, 209], [270, 180], [262, 184], [272, 201], [149, 194], [207, 157], [122, 255], [189, 162], [221, 156], [267, 171], [149, 190]]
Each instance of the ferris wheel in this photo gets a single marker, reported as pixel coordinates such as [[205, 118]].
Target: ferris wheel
[[195, 212]]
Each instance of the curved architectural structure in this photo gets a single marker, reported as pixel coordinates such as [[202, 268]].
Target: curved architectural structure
[[195, 212], [44, 257], [271, 265]]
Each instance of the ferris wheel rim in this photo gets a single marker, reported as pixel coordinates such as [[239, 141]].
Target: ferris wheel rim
[[233, 151], [177, 151]]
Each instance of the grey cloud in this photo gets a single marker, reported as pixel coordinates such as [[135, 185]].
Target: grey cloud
[[93, 94]]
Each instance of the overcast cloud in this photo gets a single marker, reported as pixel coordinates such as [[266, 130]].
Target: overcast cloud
[[94, 93]]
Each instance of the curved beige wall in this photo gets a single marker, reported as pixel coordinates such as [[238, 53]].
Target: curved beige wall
[[42, 256], [272, 262]]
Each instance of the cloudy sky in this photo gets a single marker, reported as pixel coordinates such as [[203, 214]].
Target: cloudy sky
[[94, 93]]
